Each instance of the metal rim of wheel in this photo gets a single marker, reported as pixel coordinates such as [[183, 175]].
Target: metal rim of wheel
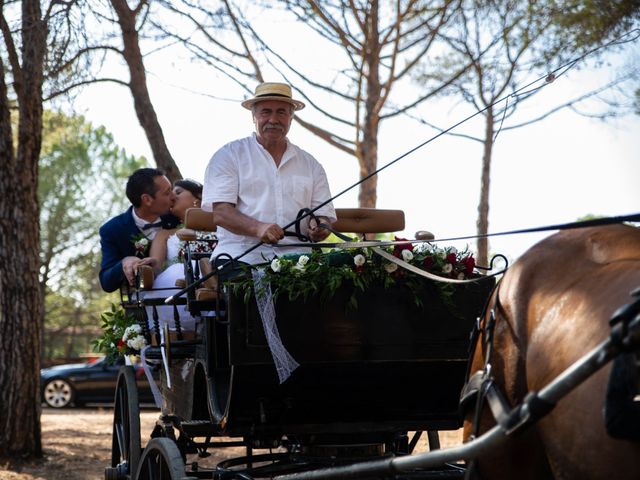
[[58, 393], [161, 460], [125, 441]]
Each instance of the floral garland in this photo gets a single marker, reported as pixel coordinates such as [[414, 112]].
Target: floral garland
[[204, 244], [142, 244], [121, 334], [322, 273]]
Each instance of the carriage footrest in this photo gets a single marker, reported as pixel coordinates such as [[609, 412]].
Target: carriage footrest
[[197, 428]]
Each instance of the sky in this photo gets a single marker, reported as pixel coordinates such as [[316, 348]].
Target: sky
[[550, 172]]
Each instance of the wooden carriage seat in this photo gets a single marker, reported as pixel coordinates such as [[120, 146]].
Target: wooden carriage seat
[[368, 220], [195, 220], [373, 220]]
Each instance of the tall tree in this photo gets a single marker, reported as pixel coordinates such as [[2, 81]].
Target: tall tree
[[82, 174], [22, 74], [38, 56], [111, 30], [128, 19], [375, 46], [505, 41]]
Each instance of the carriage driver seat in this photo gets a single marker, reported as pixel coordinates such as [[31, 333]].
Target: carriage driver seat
[[369, 221]]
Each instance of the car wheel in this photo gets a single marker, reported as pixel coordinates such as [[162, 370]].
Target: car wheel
[[57, 393]]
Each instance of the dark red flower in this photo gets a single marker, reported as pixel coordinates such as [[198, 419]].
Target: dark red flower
[[451, 258], [469, 264], [360, 268], [397, 249], [427, 263]]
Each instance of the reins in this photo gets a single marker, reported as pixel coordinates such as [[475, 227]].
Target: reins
[[634, 217], [527, 89]]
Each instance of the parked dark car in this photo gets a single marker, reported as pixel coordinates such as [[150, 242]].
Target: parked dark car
[[91, 382]]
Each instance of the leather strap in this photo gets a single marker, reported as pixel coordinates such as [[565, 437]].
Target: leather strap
[[423, 273]]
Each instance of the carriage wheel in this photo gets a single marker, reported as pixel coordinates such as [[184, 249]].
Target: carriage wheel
[[125, 441], [161, 460]]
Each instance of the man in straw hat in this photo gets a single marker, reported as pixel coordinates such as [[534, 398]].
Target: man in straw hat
[[258, 184]]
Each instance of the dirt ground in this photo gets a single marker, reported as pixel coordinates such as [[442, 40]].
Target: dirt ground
[[77, 445]]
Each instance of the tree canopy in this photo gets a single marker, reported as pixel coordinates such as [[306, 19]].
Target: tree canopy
[[82, 175]]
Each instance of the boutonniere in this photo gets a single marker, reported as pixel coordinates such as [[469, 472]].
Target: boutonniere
[[141, 244]]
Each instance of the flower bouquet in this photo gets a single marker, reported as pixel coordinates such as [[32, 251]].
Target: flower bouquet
[[121, 334]]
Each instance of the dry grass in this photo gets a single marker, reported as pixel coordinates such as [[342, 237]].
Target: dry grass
[[77, 445]]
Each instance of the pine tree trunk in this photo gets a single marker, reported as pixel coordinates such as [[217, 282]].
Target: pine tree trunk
[[20, 298], [367, 149], [138, 86], [483, 205]]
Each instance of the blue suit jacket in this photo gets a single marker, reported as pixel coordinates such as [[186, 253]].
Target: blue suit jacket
[[117, 241]]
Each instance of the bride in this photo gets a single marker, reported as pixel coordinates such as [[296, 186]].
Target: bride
[[166, 257]]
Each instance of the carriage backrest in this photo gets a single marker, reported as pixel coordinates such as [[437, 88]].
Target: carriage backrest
[[368, 220], [196, 219], [351, 220], [199, 219]]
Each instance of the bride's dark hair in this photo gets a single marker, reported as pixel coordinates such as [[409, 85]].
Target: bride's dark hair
[[194, 187]]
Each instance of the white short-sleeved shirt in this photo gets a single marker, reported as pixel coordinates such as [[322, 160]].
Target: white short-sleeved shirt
[[244, 173]]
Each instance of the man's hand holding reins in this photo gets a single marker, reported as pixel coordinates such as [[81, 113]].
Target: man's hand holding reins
[[316, 232]]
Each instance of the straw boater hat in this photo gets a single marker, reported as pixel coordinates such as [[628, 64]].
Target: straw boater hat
[[273, 91]]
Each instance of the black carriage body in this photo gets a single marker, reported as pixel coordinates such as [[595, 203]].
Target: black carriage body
[[388, 365]]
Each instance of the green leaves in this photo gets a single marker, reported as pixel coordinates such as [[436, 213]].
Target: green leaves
[[323, 273], [117, 328]]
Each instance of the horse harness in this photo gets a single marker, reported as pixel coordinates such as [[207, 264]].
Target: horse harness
[[481, 386]]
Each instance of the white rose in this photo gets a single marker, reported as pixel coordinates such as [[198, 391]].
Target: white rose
[[461, 276], [453, 250], [142, 243], [131, 331], [303, 260], [407, 255], [447, 268], [299, 267], [359, 260], [441, 255], [391, 267], [276, 265], [137, 343]]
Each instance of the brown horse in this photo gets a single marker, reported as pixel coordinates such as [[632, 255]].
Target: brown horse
[[553, 306]]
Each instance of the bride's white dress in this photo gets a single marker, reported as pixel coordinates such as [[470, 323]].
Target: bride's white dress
[[164, 286]]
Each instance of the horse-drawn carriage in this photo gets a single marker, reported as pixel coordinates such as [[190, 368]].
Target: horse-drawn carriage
[[378, 367]]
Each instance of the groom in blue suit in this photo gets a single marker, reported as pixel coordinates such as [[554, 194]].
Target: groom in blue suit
[[126, 238]]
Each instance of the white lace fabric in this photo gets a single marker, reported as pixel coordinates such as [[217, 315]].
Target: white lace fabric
[[284, 362]]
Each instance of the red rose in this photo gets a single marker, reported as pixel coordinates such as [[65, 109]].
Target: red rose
[[451, 258], [121, 347], [427, 263], [469, 264], [397, 249], [360, 269]]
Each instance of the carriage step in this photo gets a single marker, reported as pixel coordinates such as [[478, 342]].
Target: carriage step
[[197, 428], [176, 352]]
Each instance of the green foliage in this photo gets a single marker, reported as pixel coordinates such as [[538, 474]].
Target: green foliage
[[590, 22], [80, 186], [321, 274]]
